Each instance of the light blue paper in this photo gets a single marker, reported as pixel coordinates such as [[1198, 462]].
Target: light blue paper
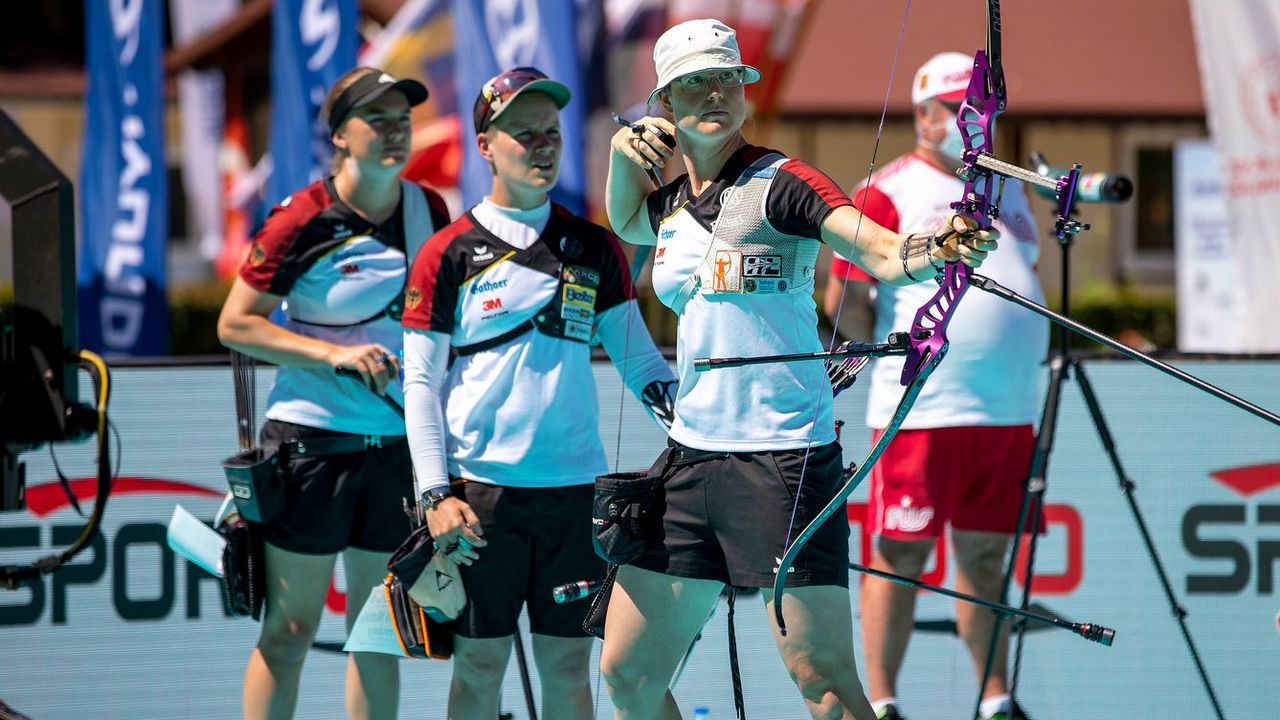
[[373, 631], [195, 541]]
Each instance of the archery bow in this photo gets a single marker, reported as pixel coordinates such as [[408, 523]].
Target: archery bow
[[985, 100]]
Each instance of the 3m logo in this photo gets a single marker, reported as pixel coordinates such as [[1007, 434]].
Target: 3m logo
[[492, 304]]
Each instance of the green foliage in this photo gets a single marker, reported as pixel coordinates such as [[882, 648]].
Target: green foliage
[[1121, 312], [1127, 314], [193, 318]]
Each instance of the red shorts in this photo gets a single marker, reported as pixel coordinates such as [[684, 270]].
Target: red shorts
[[969, 477]]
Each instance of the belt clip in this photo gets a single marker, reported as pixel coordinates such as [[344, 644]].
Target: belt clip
[[373, 441]]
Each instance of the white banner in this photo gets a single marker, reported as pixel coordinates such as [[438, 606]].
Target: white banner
[[1238, 43], [1211, 303], [201, 98]]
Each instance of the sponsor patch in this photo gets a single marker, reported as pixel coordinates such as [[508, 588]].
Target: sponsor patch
[[906, 518], [667, 234], [571, 247], [762, 266], [577, 330], [578, 275], [487, 286], [579, 296], [481, 253], [764, 286], [726, 271], [579, 314]]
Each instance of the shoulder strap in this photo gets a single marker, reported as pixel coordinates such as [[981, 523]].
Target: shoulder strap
[[417, 219]]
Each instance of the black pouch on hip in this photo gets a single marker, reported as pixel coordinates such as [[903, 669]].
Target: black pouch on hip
[[621, 510], [243, 569], [257, 487]]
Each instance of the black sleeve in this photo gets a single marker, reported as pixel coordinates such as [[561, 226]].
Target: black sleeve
[[661, 202], [801, 198], [615, 273]]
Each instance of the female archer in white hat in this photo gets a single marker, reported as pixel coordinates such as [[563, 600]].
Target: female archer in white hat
[[737, 237]]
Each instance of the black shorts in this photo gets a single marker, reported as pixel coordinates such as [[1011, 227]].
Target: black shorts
[[726, 518], [538, 538], [338, 501]]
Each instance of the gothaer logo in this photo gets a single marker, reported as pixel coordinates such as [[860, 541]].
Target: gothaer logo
[[487, 286]]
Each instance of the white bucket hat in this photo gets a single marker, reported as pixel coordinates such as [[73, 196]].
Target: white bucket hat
[[694, 46]]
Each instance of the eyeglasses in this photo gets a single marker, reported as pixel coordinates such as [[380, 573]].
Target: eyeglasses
[[499, 90], [701, 81]]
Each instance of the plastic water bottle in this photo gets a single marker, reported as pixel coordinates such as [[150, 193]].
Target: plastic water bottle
[[701, 713]]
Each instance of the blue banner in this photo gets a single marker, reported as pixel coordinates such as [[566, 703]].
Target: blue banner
[[124, 205], [313, 42], [493, 37]]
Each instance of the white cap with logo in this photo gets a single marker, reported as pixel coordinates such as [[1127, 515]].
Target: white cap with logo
[[944, 77], [694, 46]]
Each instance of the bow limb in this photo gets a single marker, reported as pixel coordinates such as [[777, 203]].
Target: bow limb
[[985, 100], [841, 497]]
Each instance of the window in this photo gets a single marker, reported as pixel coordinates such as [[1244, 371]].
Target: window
[[1145, 225]]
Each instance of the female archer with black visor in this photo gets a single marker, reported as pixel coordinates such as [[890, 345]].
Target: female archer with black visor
[[336, 254], [737, 237]]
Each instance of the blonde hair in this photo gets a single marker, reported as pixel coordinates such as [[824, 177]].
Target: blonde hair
[[340, 86]]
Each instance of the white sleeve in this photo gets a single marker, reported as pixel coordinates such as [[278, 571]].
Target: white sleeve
[[426, 365], [623, 335]]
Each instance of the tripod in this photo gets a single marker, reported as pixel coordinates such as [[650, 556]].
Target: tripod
[[1063, 364]]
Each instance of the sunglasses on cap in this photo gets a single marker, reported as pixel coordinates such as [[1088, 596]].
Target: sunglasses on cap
[[498, 93]]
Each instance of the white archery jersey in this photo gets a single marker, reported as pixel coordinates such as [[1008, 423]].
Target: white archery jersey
[[522, 412], [337, 273], [746, 291], [993, 373]]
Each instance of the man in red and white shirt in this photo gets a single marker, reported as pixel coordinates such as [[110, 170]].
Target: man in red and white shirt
[[964, 452]]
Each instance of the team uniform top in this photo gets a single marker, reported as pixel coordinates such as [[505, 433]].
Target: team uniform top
[[338, 274], [746, 290], [519, 403], [993, 371]]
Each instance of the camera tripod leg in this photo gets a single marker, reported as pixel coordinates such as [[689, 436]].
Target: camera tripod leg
[[1033, 496], [1127, 486]]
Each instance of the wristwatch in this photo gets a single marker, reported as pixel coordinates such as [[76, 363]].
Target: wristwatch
[[432, 497]]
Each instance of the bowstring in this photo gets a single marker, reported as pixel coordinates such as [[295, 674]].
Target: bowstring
[[835, 331]]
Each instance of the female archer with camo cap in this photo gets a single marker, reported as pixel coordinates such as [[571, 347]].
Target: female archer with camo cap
[[737, 236], [501, 403]]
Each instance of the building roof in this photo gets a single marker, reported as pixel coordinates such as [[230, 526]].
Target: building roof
[[1081, 57]]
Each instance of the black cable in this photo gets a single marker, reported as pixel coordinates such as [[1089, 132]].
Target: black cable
[[12, 576]]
